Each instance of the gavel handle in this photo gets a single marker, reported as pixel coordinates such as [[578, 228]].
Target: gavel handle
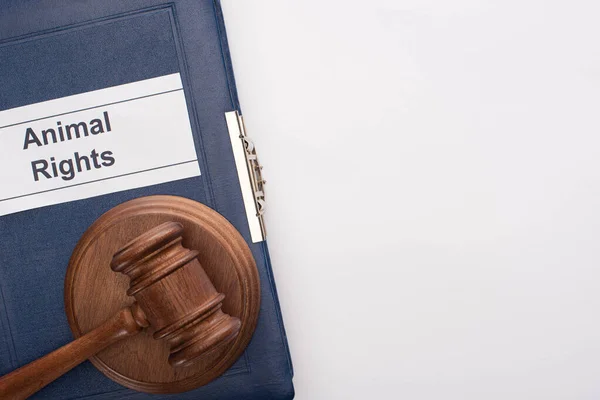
[[30, 378]]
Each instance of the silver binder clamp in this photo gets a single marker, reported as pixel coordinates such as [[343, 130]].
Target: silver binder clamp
[[255, 170], [249, 172]]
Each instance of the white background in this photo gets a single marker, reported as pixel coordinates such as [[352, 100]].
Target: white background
[[433, 192]]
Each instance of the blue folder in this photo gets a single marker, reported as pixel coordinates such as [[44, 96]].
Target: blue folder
[[55, 48]]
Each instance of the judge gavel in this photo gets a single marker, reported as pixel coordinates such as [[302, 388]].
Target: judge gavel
[[172, 294]]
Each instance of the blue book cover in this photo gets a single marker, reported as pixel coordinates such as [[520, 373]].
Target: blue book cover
[[100, 103]]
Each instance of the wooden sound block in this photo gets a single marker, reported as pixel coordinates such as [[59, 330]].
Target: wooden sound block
[[94, 293]]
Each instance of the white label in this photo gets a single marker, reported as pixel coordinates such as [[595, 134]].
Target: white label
[[90, 144]]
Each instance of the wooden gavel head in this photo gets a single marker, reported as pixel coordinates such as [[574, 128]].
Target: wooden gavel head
[[174, 299], [174, 294]]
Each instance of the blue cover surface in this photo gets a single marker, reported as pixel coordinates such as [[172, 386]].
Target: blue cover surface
[[51, 49]]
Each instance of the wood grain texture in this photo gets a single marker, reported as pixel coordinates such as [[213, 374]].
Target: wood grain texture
[[175, 295], [93, 292], [25, 381]]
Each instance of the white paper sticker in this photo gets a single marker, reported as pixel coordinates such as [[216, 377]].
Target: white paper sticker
[[100, 142]]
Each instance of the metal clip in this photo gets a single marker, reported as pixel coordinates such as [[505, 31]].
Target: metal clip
[[249, 173]]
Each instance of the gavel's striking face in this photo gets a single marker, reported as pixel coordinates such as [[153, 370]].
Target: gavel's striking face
[[174, 294], [174, 299]]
